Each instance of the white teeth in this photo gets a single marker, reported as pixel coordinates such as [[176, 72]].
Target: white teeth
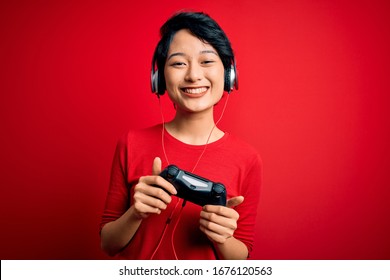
[[195, 90]]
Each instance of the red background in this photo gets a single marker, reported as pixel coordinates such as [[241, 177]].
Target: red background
[[313, 99]]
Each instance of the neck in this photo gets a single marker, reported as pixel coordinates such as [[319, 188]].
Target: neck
[[194, 129]]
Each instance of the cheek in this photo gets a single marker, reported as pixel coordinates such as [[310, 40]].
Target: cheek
[[218, 77], [172, 78], [219, 80]]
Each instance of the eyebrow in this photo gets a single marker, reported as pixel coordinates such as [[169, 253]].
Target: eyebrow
[[183, 54]]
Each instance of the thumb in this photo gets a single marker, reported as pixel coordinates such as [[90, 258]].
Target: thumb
[[234, 201], [156, 170]]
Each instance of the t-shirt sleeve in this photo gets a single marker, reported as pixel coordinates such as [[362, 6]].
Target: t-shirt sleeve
[[117, 200], [250, 189]]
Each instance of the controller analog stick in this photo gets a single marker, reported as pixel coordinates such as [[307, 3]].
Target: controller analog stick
[[218, 189]]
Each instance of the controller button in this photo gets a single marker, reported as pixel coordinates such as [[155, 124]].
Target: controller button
[[218, 189], [172, 171]]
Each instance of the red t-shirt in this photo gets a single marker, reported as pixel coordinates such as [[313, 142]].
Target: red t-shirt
[[228, 161]]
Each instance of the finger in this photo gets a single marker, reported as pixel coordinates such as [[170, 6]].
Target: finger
[[144, 210], [211, 210], [150, 201], [234, 201], [156, 166], [142, 190], [161, 182], [158, 181], [218, 228], [227, 222], [213, 236]]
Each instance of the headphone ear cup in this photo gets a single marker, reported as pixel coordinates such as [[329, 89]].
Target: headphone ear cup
[[154, 81], [231, 81], [157, 85], [160, 84], [227, 80], [235, 79]]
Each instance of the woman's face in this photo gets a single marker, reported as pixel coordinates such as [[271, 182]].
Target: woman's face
[[194, 73]]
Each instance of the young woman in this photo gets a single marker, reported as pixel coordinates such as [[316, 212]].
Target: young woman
[[195, 66]]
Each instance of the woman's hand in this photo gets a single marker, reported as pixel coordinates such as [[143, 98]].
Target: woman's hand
[[152, 193], [149, 197], [219, 222]]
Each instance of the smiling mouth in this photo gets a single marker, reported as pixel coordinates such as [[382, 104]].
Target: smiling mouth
[[195, 91]]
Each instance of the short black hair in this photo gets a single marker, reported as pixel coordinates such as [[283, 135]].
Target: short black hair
[[200, 25]]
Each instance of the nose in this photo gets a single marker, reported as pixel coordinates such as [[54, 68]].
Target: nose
[[194, 73]]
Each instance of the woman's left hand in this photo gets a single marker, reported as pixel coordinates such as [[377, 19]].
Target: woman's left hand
[[220, 222]]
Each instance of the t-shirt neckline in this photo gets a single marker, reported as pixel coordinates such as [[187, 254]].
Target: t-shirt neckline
[[171, 138]]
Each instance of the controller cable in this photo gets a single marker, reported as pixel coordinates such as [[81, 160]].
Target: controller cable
[[192, 171]]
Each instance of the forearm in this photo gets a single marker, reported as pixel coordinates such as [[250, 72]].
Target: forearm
[[232, 249], [117, 234]]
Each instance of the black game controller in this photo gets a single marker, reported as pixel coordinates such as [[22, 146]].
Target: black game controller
[[194, 188]]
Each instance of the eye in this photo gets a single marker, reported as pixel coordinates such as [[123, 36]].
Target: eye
[[177, 64], [207, 61]]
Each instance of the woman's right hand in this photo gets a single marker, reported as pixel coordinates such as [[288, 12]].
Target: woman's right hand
[[150, 194]]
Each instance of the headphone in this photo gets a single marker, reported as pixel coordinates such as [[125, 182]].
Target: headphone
[[158, 81]]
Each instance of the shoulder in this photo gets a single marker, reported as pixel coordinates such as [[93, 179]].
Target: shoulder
[[238, 158], [144, 132], [241, 148], [139, 139], [140, 134]]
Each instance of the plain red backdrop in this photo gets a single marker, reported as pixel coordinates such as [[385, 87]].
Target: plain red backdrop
[[313, 100]]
